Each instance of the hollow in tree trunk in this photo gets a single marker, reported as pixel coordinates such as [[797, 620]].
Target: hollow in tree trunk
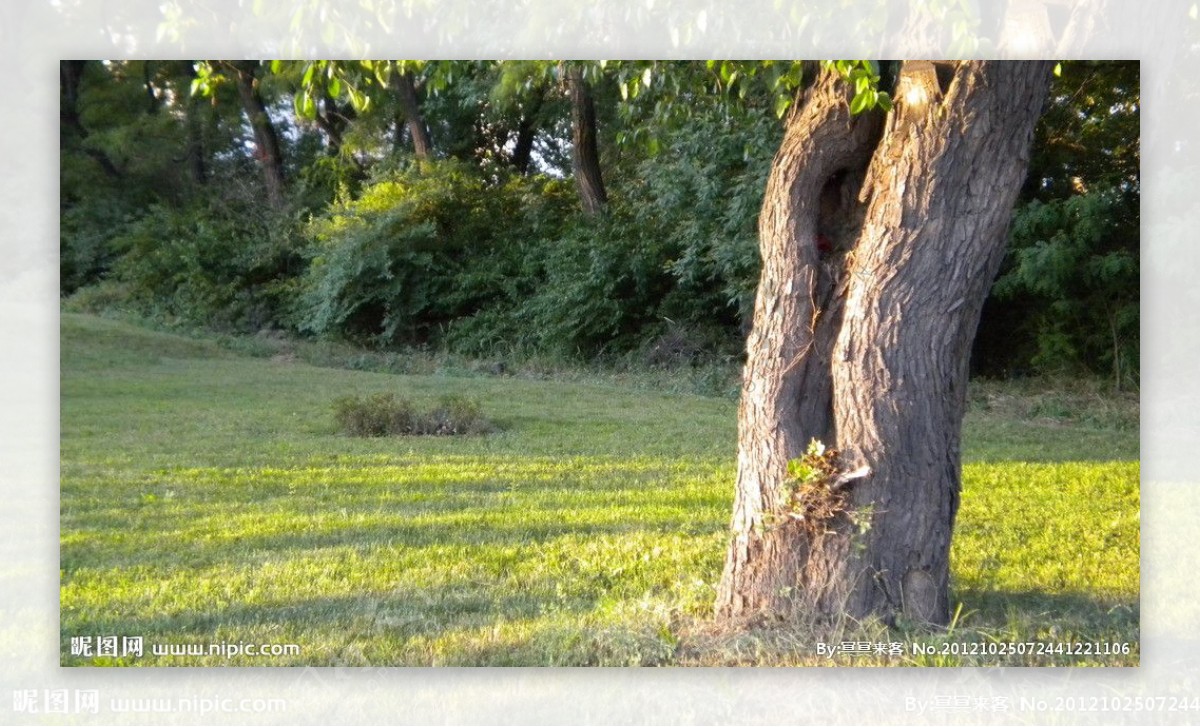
[[866, 309]]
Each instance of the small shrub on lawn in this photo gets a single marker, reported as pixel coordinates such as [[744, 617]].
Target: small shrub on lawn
[[374, 416], [382, 415], [455, 415]]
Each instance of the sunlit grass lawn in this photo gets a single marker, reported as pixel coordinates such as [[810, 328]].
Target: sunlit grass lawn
[[208, 498]]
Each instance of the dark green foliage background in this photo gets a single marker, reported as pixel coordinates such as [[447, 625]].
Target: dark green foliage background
[[464, 253]]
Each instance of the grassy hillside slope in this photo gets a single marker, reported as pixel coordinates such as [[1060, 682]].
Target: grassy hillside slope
[[208, 498]]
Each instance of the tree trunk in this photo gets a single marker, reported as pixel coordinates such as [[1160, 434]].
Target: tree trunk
[[867, 350], [585, 156], [70, 80], [526, 131], [152, 102], [406, 92], [197, 165], [270, 154], [331, 121]]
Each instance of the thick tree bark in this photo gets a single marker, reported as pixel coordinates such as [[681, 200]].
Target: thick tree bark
[[410, 105], [786, 384], [270, 154], [585, 155], [888, 332]]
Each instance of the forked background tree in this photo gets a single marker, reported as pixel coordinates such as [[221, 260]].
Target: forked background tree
[[880, 237]]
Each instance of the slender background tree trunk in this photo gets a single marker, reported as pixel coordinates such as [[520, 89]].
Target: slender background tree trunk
[[526, 131], [585, 155], [196, 158], [332, 121], [152, 102], [410, 105], [71, 76], [270, 154]]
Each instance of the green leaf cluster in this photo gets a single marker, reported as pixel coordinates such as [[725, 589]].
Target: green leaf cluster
[[1079, 258], [864, 75]]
